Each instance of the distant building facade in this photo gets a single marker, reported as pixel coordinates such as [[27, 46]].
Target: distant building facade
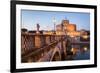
[[67, 28]]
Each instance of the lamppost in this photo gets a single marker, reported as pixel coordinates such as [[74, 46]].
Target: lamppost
[[54, 22]]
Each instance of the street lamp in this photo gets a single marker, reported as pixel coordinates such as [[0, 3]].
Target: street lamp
[[54, 22]]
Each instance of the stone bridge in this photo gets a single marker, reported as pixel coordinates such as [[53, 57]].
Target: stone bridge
[[41, 47]]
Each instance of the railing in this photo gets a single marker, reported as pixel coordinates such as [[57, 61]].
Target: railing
[[36, 45]]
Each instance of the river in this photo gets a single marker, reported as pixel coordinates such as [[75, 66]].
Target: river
[[80, 52]]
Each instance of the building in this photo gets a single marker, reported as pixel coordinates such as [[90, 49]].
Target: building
[[70, 27], [67, 28]]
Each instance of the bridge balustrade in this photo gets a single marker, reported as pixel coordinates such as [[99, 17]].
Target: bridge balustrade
[[32, 42]]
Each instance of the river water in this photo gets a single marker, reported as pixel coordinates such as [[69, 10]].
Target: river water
[[80, 52]]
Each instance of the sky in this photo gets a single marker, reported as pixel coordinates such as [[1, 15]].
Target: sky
[[29, 19]]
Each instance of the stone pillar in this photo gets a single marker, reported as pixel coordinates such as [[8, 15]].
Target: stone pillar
[[37, 41], [43, 40], [47, 39]]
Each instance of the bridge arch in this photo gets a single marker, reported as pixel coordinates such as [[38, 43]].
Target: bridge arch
[[56, 56]]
